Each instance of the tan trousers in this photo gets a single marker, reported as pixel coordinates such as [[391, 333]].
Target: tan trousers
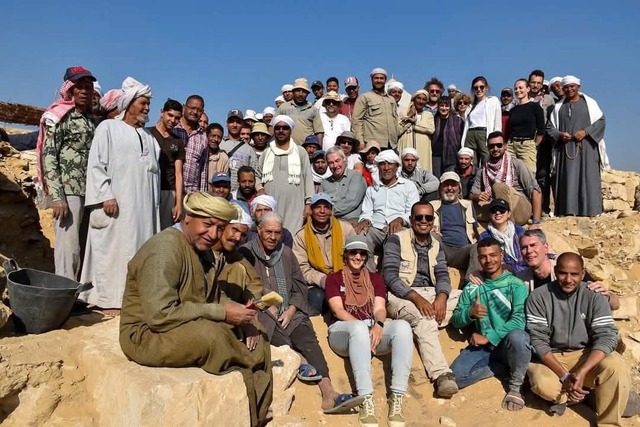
[[525, 151], [425, 330], [610, 378], [521, 209]]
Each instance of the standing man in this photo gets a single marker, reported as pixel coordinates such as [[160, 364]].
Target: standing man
[[416, 275], [66, 131], [287, 92], [536, 92], [218, 159], [375, 117], [304, 114], [318, 91], [348, 104], [123, 186], [239, 152], [333, 122], [196, 170], [204, 121], [435, 87], [172, 157], [284, 172], [578, 124], [260, 136]]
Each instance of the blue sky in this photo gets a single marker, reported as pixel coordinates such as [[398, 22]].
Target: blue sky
[[238, 54]]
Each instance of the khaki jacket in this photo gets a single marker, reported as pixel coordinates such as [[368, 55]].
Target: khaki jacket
[[375, 118]]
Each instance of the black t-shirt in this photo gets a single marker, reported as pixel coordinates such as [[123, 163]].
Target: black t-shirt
[[525, 120], [541, 282], [171, 149]]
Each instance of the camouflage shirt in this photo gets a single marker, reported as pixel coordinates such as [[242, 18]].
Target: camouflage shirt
[[65, 155]]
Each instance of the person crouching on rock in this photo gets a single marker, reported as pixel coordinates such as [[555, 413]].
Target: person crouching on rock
[[173, 315], [359, 328]]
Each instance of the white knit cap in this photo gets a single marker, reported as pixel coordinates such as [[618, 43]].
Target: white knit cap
[[466, 151], [378, 71], [286, 88], [410, 150]]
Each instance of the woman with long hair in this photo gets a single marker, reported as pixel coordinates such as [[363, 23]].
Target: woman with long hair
[[525, 126], [417, 128], [484, 117], [360, 328]]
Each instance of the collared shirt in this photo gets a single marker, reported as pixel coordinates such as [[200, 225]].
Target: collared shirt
[[306, 117], [65, 155], [423, 278], [347, 193], [348, 105], [195, 172], [383, 204], [425, 181]]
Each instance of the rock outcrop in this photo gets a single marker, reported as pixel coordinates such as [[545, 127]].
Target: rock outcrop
[[619, 190]]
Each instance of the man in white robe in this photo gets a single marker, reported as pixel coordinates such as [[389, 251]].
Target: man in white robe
[[123, 194]]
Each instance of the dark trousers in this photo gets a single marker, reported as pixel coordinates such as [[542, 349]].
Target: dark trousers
[[303, 339], [316, 300], [464, 258], [543, 172]]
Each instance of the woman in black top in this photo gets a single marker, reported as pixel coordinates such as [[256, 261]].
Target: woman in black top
[[525, 126]]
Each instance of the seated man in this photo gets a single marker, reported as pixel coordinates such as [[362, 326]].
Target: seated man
[[259, 206], [505, 177], [237, 278], [574, 337], [345, 186], [416, 275], [496, 309], [456, 226], [289, 323], [426, 182], [540, 267], [387, 204], [318, 246], [168, 319], [465, 170], [319, 170]]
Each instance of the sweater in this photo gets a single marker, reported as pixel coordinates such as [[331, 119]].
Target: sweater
[[504, 298]]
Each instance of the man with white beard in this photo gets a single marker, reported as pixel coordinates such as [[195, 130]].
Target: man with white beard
[[123, 195]]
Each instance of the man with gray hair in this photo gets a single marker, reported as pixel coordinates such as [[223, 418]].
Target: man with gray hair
[[123, 194], [374, 116], [426, 183], [345, 186]]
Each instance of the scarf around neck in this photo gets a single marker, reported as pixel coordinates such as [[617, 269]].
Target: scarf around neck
[[359, 294], [500, 170], [505, 239], [274, 261], [294, 164], [315, 253]]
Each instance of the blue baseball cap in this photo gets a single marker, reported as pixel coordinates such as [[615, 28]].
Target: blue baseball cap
[[220, 177], [318, 197]]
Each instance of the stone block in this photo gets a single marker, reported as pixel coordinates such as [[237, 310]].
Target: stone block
[[615, 205], [628, 309]]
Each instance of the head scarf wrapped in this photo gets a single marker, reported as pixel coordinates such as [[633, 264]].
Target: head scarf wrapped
[[286, 88], [279, 98], [132, 89], [209, 206], [394, 85], [97, 88], [420, 92], [245, 219], [388, 156], [410, 150], [269, 110], [282, 118], [109, 101], [466, 151], [568, 80], [378, 71], [264, 200], [554, 80]]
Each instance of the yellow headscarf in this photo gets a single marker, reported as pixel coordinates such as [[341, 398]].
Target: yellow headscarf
[[206, 205]]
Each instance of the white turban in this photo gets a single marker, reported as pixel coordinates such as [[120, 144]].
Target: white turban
[[132, 89], [97, 88], [264, 200], [269, 110], [410, 150], [452, 87], [395, 85], [250, 114], [109, 101], [279, 98], [465, 151], [554, 80], [569, 80], [378, 71], [389, 156], [245, 219], [286, 88], [282, 118]]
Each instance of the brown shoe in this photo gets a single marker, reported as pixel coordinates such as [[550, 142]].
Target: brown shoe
[[446, 385]]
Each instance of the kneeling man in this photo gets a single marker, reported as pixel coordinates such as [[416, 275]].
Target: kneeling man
[[173, 315]]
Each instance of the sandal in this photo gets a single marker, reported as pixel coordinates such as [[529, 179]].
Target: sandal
[[344, 403], [308, 373], [513, 401]]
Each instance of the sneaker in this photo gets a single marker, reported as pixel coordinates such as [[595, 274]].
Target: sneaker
[[367, 415], [396, 418], [446, 385]]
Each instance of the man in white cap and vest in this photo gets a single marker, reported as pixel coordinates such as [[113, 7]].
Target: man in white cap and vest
[[304, 114], [123, 195], [375, 116], [387, 205], [284, 172], [577, 125]]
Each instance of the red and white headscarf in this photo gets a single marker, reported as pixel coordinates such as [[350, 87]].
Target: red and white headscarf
[[500, 170]]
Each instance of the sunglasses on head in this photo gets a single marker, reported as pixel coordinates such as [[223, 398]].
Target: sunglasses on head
[[428, 218], [498, 210], [492, 146], [479, 87], [360, 252], [281, 128]]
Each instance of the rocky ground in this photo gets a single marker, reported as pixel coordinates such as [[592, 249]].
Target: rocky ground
[[45, 384]]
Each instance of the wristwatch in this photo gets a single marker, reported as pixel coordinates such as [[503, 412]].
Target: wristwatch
[[379, 323]]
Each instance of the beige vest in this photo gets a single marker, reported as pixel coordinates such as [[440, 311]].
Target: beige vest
[[467, 209], [408, 257]]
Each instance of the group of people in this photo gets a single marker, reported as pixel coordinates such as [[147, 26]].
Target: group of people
[[353, 206]]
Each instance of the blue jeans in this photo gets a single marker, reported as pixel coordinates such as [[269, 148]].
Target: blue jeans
[[477, 363]]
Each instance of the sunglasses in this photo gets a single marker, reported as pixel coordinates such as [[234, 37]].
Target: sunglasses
[[463, 103], [281, 128], [498, 210], [360, 252], [479, 87], [420, 218], [492, 146], [331, 102], [434, 91]]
